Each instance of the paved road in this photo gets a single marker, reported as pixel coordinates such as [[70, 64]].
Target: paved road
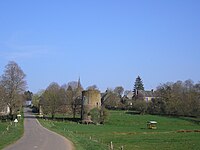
[[37, 137]]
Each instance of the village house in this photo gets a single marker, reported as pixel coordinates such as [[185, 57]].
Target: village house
[[146, 95], [5, 111]]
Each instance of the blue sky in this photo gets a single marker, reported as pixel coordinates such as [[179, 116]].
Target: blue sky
[[107, 42]]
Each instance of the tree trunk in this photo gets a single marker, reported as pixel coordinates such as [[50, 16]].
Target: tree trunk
[[53, 116], [74, 112], [11, 114]]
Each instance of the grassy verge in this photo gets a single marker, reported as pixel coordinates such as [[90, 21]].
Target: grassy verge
[[129, 130], [9, 133], [81, 141]]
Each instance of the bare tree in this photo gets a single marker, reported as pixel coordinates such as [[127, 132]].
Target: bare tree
[[28, 95], [13, 80], [2, 98], [119, 90], [111, 100], [179, 98], [70, 98], [92, 87], [74, 95], [36, 98], [73, 84], [127, 92], [64, 108]]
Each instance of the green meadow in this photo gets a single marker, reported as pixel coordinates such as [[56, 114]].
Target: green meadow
[[130, 131], [9, 133]]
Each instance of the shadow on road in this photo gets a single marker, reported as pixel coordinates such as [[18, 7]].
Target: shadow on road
[[31, 114]]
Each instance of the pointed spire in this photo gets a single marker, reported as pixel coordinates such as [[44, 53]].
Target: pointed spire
[[79, 82], [79, 88]]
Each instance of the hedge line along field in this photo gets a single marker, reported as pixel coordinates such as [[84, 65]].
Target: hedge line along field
[[9, 133], [129, 131]]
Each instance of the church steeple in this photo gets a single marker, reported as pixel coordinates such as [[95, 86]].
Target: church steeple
[[79, 82], [79, 87]]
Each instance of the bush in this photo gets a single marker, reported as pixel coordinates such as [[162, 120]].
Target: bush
[[99, 116], [104, 114], [95, 115], [140, 106]]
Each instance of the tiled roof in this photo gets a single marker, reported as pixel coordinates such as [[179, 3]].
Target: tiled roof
[[147, 93]]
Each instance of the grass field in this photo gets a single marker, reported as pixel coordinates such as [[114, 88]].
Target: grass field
[[10, 133], [130, 131]]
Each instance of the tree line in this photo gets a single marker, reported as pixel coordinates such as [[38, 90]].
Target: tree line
[[179, 98], [64, 99]]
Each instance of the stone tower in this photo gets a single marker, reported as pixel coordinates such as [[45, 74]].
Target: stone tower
[[90, 99]]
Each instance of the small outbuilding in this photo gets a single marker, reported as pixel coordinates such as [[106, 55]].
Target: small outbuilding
[[152, 125]]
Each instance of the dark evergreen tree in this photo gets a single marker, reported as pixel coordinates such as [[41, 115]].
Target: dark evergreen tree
[[138, 87], [138, 84]]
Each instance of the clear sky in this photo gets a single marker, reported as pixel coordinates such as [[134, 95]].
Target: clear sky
[[105, 42]]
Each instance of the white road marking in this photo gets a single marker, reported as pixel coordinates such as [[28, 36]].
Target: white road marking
[[35, 147]]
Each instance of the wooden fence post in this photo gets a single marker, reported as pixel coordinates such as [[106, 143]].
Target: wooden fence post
[[111, 145]]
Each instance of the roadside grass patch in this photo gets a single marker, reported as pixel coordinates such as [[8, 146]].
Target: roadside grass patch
[[130, 131], [9, 133]]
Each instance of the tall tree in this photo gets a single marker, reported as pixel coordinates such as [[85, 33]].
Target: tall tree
[[74, 94], [2, 98], [36, 98], [138, 87], [70, 99], [138, 84], [13, 80], [63, 109], [77, 99], [51, 100]]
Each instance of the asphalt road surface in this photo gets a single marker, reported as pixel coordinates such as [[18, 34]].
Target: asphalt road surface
[[37, 137]]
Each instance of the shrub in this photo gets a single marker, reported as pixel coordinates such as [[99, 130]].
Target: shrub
[[99, 116], [95, 115]]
